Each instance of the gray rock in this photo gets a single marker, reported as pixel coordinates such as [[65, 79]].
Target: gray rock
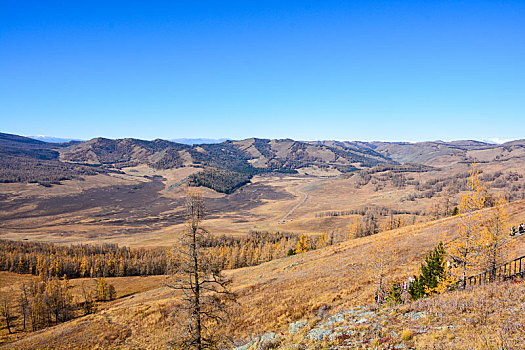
[[292, 265], [400, 346], [362, 320], [446, 327], [369, 314], [318, 334], [339, 317], [263, 342], [269, 339], [338, 333], [414, 316], [297, 326]]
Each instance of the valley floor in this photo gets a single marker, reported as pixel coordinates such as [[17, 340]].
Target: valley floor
[[325, 288]]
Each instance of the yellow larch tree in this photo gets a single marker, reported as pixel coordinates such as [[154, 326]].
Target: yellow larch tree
[[303, 245], [102, 289], [495, 236], [466, 248], [353, 228], [322, 241]]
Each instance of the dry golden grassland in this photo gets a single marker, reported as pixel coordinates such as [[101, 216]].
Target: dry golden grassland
[[310, 286], [487, 317], [232, 215], [11, 283], [272, 295], [338, 276]]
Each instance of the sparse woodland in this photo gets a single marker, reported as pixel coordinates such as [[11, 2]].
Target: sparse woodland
[[45, 301], [41, 171], [479, 244], [108, 260]]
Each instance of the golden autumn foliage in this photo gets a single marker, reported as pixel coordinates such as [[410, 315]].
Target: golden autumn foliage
[[465, 250], [76, 261], [303, 245], [495, 237], [445, 282], [105, 291]]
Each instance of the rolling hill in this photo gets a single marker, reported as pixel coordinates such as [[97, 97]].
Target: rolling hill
[[23, 159], [437, 153], [320, 292], [131, 192], [243, 156], [247, 157]]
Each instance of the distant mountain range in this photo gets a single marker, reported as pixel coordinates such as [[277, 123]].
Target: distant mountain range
[[51, 139], [197, 141], [185, 141], [51, 162]]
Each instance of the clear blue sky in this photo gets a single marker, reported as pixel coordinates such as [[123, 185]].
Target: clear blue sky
[[348, 70]]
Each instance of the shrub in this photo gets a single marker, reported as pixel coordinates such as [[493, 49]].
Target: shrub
[[406, 334]]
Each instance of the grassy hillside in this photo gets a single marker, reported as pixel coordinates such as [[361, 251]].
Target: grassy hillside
[[314, 286], [27, 160], [241, 156]]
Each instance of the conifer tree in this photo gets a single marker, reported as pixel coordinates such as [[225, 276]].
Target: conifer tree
[[205, 294], [495, 237], [303, 245], [88, 303], [102, 289], [394, 294], [466, 248], [322, 241], [432, 272], [23, 303]]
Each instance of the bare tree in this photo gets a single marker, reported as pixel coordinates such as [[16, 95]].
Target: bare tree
[[5, 311], [88, 305], [382, 255], [205, 295], [23, 303]]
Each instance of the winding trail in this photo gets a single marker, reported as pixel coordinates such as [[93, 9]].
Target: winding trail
[[296, 206], [308, 187]]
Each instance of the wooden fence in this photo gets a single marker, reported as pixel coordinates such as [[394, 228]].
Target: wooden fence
[[502, 272]]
